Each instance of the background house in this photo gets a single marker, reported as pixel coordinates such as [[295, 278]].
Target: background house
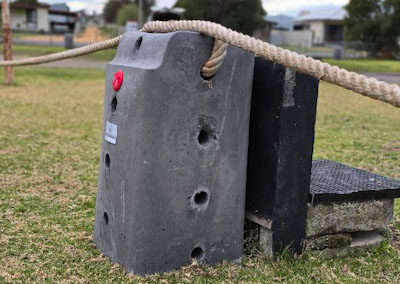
[[165, 14], [32, 17], [282, 22], [283, 34], [61, 19], [326, 24]]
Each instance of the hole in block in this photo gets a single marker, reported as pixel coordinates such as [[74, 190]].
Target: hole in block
[[138, 43], [207, 133], [114, 103], [108, 161], [203, 137], [105, 216], [205, 78], [201, 198], [197, 253]]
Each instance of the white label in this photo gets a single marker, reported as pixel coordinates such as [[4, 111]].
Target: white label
[[111, 133]]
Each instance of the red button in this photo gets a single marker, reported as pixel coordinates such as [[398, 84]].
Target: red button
[[118, 79]]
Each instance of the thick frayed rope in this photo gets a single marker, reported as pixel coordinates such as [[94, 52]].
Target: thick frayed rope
[[91, 48], [369, 87], [211, 67]]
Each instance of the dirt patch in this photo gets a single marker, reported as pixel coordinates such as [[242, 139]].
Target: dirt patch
[[89, 35]]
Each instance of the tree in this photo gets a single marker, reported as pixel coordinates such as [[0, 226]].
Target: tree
[[111, 8], [242, 15], [126, 13], [374, 22], [7, 46], [147, 4]]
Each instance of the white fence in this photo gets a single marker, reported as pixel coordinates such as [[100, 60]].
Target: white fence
[[301, 39]]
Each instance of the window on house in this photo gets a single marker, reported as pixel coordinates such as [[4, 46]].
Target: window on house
[[333, 32], [31, 16]]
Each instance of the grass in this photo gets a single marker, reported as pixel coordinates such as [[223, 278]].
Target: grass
[[36, 50], [356, 65], [50, 129], [367, 65], [19, 34]]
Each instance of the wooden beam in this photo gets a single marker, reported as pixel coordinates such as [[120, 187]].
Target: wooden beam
[[141, 14], [7, 50]]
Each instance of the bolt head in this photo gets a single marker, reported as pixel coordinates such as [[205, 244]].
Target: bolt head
[[118, 79]]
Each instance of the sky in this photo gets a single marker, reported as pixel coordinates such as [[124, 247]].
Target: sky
[[273, 7]]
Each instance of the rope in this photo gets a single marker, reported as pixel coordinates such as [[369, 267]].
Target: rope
[[369, 87], [211, 67], [91, 48]]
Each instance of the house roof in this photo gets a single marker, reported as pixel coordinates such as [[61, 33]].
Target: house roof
[[282, 22], [270, 21], [19, 5], [161, 9], [64, 13], [59, 7], [326, 14]]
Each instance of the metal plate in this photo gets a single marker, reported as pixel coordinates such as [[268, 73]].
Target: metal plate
[[331, 182]]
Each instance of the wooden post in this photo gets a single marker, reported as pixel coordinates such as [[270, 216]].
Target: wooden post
[[7, 51], [283, 110], [141, 16]]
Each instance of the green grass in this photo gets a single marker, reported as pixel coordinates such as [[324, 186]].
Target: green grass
[[300, 49], [367, 65], [356, 65], [19, 34], [50, 129], [36, 50]]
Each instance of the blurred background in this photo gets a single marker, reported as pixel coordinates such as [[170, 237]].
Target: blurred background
[[51, 119], [322, 29]]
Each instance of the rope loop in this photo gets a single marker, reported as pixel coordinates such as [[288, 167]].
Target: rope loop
[[211, 67]]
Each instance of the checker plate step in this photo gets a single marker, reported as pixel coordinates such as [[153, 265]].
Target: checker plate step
[[334, 182]]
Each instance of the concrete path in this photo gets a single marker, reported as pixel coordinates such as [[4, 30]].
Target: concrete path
[[393, 78]]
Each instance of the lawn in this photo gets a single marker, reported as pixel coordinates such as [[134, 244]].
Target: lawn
[[49, 154], [37, 50], [367, 65]]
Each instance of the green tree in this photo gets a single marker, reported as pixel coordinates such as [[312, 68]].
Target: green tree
[[376, 23], [128, 12], [111, 8], [147, 4], [245, 16]]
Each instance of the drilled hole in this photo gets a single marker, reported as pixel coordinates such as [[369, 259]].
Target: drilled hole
[[201, 198], [197, 253], [105, 216], [205, 78], [108, 161], [203, 137], [138, 42], [207, 134], [114, 103]]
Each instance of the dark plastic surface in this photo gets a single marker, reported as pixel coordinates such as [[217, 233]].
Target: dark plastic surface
[[172, 180], [280, 150], [332, 182]]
